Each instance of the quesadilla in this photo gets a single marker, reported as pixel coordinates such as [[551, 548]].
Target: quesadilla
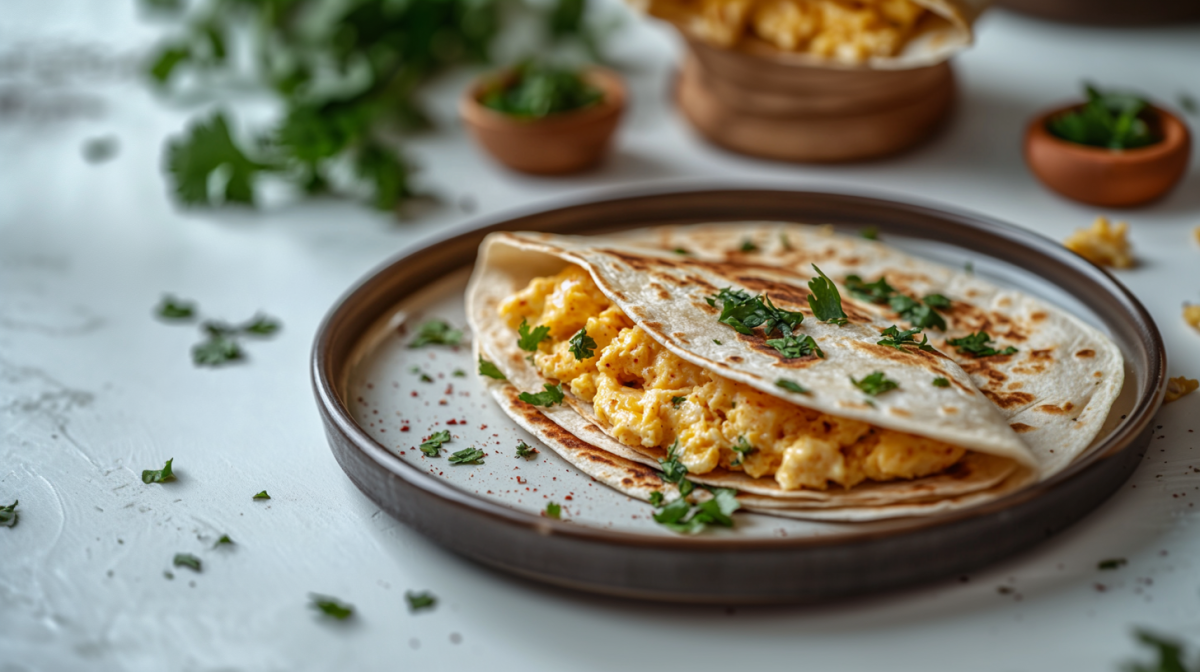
[[716, 352]]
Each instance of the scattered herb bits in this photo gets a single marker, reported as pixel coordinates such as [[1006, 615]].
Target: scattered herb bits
[[941, 381], [436, 332], [223, 541], [262, 495], [470, 455], [331, 606], [748, 245], [490, 370], [685, 518], [163, 475], [978, 345], [529, 339], [553, 510], [894, 338], [795, 347], [552, 395], [791, 386], [9, 515], [825, 300], [582, 345], [172, 308], [656, 499], [676, 402], [187, 560], [870, 233], [1112, 563], [218, 350], [526, 451], [742, 448], [419, 601], [459, 373], [433, 445], [875, 384]]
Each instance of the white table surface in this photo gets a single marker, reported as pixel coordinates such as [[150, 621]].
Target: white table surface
[[93, 390]]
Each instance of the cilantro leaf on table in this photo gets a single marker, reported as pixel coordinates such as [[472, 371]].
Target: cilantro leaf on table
[[187, 560], [459, 373], [470, 455], [223, 541], [1112, 563], [791, 386], [875, 384], [163, 475], [432, 446], [9, 515], [490, 370], [554, 511], [528, 340], [172, 308], [825, 301], [436, 332], [418, 601], [331, 606], [582, 345], [978, 345], [261, 495], [525, 450], [941, 381], [794, 347], [205, 150], [1170, 655], [897, 339], [260, 325], [216, 351], [553, 395]]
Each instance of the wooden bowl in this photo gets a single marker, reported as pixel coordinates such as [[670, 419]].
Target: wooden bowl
[[759, 101], [555, 145], [1118, 13], [1106, 177]]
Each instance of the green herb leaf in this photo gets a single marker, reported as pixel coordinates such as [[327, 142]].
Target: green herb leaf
[[1108, 119], [218, 350], [490, 370], [875, 292], [870, 233], [673, 469], [159, 476], [744, 312], [875, 384], [9, 515], [1112, 563], [534, 91], [459, 373], [261, 495], [224, 540], [331, 606], [168, 59], [748, 245], [784, 242], [920, 315], [794, 347], [791, 386], [187, 560], [941, 382], [937, 301], [656, 499], [969, 267], [582, 345], [207, 148], [825, 301], [419, 601], [525, 450], [1170, 655], [260, 325], [681, 251], [436, 332], [529, 340], [676, 401], [671, 516], [978, 345], [682, 517], [742, 448], [553, 395], [171, 308], [717, 342], [426, 378], [897, 339], [553, 511], [470, 455], [432, 446]]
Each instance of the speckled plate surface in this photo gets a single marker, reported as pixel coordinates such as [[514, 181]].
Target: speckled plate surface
[[379, 398]]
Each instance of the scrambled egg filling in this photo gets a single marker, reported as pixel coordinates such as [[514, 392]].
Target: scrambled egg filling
[[1191, 315], [1103, 245], [646, 396], [1180, 387], [850, 31]]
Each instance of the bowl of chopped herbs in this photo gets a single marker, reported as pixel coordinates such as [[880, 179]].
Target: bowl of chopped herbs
[[545, 119], [1115, 149]]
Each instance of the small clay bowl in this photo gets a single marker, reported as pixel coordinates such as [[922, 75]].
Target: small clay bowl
[[1108, 177], [558, 144]]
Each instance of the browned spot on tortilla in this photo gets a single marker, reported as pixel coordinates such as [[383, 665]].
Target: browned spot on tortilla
[[637, 312], [1038, 316], [663, 294], [1086, 353], [656, 326], [1056, 410], [1021, 428], [909, 356], [1004, 302], [1016, 385], [681, 337], [1008, 400], [780, 294], [1098, 374], [735, 359], [1042, 354], [899, 411], [949, 410], [620, 295]]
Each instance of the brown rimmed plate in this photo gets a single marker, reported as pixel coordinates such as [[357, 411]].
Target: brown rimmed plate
[[379, 398]]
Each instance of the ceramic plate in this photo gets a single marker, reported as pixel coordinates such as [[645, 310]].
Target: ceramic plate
[[380, 398]]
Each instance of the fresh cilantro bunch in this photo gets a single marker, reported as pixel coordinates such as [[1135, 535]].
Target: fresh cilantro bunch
[[1109, 119], [534, 90]]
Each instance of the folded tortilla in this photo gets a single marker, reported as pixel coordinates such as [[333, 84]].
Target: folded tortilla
[[990, 406]]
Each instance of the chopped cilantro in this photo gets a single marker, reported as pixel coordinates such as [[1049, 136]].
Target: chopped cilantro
[[969, 267], [920, 315], [525, 450], [684, 518], [875, 292], [436, 332], [470, 455], [554, 511], [1112, 563], [676, 401], [793, 347], [742, 448], [9, 515], [262, 495], [426, 378], [490, 370], [260, 325], [748, 245], [529, 340], [459, 373], [673, 469], [656, 499], [744, 312], [432, 446], [1170, 655], [1109, 119], [159, 475], [875, 384], [582, 345], [941, 381], [223, 540], [977, 345], [937, 301], [331, 606], [187, 560], [783, 240], [171, 308], [717, 342], [419, 601], [825, 301], [790, 386], [680, 250], [553, 395], [870, 233], [217, 350], [897, 339]]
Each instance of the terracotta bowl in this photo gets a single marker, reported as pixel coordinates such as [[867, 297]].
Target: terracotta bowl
[[763, 102], [1105, 177], [555, 145]]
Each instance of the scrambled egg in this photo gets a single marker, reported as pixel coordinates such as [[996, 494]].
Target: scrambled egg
[[1103, 245], [1179, 387], [850, 31], [646, 396], [1191, 315]]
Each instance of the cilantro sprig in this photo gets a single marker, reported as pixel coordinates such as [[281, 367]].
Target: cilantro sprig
[[875, 384], [582, 345], [418, 601], [921, 315], [825, 300], [794, 347], [874, 292], [436, 332], [470, 455], [187, 560], [526, 451], [433, 445], [173, 308], [528, 340], [552, 395], [163, 475], [897, 339], [554, 510], [744, 312], [9, 515], [490, 370], [331, 606], [1108, 119], [686, 518], [978, 345]]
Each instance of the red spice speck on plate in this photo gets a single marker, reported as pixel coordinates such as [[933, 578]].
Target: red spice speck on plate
[[452, 421]]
